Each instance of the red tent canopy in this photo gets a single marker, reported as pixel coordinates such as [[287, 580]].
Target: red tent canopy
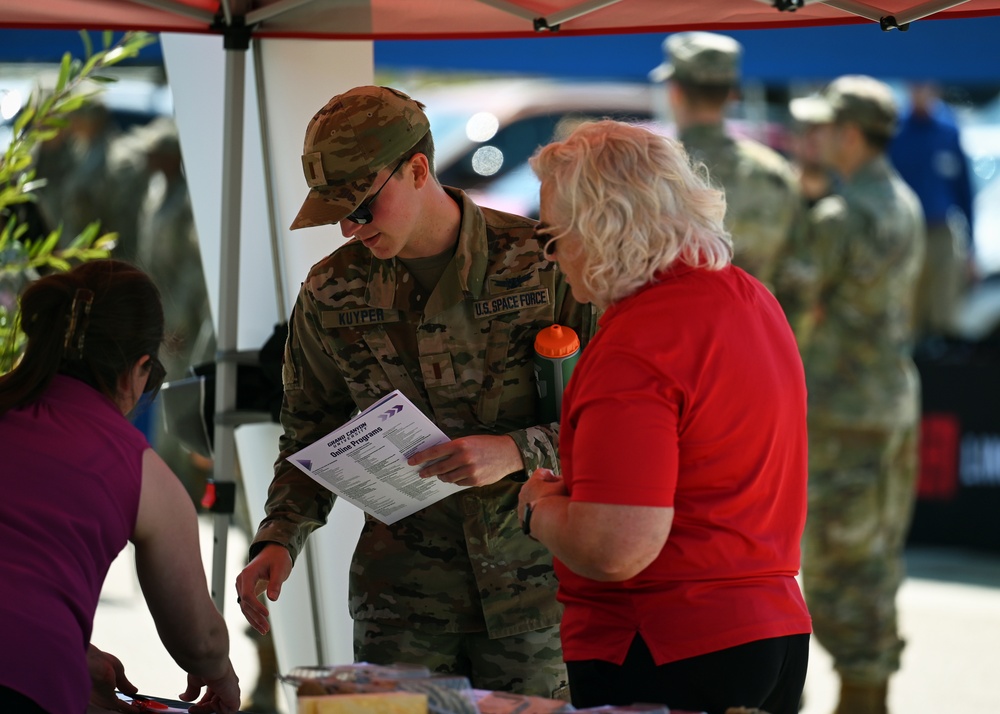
[[455, 19]]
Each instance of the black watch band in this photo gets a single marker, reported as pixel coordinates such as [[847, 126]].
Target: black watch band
[[526, 523]]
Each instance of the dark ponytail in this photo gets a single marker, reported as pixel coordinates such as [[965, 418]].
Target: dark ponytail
[[92, 323]]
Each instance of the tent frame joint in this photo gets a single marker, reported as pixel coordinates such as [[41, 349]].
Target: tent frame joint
[[889, 23], [236, 35], [541, 24]]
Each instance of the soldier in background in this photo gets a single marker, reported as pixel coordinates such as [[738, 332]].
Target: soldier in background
[[816, 181], [456, 586], [866, 247], [764, 210], [168, 250], [74, 166], [94, 172]]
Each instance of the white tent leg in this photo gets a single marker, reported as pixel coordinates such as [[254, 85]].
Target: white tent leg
[[224, 468]]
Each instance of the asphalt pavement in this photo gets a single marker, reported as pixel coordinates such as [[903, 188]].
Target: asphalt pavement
[[949, 612]]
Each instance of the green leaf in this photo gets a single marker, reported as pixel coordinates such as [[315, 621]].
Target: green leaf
[[91, 63], [45, 247], [64, 69], [87, 235], [47, 135], [107, 242], [88, 47], [118, 54], [58, 263], [26, 115], [73, 102]]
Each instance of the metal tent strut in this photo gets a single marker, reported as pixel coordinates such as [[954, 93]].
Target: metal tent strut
[[551, 22], [886, 21], [899, 20], [180, 9]]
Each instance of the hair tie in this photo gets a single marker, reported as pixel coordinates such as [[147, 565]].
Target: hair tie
[[79, 314]]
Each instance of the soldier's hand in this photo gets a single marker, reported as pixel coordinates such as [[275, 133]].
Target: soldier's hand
[[265, 573], [470, 460]]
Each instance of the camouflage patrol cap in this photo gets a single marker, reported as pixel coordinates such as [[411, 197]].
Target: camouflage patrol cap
[[351, 139], [700, 58], [855, 98]]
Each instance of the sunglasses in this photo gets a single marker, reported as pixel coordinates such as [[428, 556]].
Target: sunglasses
[[363, 213], [543, 232], [157, 372]]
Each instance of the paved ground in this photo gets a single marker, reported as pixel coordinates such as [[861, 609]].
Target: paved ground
[[950, 611]]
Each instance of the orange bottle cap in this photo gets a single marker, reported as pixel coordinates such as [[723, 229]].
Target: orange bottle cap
[[556, 341]]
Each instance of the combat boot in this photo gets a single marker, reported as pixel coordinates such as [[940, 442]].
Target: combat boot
[[862, 698]]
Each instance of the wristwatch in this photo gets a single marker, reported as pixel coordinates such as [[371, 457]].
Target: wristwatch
[[526, 523]]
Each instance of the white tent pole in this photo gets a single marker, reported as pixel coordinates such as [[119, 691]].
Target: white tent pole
[[224, 468]]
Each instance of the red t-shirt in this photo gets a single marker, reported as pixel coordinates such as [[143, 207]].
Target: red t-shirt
[[691, 396]]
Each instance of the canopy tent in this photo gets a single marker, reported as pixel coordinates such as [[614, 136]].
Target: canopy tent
[[210, 79], [772, 56], [431, 19]]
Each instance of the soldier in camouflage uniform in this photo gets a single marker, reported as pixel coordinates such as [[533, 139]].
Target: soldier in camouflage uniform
[[764, 208], [866, 248], [441, 299]]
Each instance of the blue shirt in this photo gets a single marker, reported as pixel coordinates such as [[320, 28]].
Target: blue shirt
[[929, 157]]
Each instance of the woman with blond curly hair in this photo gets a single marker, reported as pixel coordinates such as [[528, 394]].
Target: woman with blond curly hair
[[676, 522]]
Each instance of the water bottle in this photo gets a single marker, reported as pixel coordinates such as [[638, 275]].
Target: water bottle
[[556, 351]]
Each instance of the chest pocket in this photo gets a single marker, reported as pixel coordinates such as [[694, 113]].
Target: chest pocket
[[494, 370], [381, 347], [366, 356]]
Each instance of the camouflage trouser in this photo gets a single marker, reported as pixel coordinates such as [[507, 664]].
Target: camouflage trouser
[[942, 280], [528, 663], [862, 486]]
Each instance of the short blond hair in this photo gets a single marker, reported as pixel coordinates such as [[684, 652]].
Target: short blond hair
[[638, 203]]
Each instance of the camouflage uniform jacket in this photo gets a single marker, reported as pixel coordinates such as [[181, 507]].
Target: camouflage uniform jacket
[[362, 327], [866, 245], [764, 208]]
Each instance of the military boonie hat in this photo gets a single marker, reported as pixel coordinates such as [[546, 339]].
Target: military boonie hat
[[856, 98], [356, 135], [700, 58]]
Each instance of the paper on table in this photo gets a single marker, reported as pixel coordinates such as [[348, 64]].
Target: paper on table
[[364, 461], [144, 703]]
